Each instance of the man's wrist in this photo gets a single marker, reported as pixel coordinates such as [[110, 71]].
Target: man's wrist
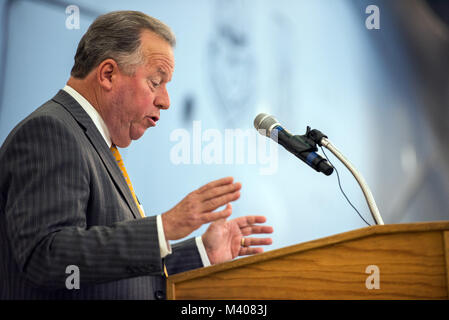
[[202, 251], [164, 245]]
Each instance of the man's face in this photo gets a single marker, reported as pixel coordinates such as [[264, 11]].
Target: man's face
[[135, 101]]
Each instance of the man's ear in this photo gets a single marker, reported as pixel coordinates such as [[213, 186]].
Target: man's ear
[[107, 72]]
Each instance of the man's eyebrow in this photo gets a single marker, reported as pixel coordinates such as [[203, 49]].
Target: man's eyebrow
[[162, 72]]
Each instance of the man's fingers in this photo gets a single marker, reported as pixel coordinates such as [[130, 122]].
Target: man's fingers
[[214, 216], [249, 242], [250, 220], [212, 204], [248, 227], [220, 190], [246, 231], [249, 251], [216, 183]]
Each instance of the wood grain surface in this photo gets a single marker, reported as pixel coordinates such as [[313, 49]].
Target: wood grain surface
[[412, 260]]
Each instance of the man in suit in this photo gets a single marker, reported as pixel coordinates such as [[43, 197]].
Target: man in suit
[[66, 200]]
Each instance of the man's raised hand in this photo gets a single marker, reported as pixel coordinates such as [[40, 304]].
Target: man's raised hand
[[197, 208]]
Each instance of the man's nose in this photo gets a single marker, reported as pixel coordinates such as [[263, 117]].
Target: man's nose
[[162, 100]]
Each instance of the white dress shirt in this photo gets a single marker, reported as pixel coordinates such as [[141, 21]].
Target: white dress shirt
[[164, 245]]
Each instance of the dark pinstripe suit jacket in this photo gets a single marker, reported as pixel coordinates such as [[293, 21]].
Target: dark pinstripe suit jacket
[[64, 201]]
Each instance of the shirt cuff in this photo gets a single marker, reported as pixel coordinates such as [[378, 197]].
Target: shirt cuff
[[202, 251], [164, 245]]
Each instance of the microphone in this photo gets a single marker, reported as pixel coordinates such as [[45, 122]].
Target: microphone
[[302, 147]]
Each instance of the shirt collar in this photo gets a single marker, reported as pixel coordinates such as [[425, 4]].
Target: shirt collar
[[92, 112]]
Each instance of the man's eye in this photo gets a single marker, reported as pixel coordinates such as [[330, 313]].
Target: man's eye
[[155, 84]]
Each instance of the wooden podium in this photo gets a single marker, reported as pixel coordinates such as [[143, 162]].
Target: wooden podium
[[412, 262]]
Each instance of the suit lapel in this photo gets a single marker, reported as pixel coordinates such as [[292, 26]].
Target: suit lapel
[[72, 106]]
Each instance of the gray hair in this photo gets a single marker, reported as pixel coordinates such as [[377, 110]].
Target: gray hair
[[116, 35]]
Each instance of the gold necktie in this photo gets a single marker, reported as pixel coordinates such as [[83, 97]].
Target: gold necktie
[[121, 165]]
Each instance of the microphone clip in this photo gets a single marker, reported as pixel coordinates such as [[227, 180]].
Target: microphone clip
[[315, 136]]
